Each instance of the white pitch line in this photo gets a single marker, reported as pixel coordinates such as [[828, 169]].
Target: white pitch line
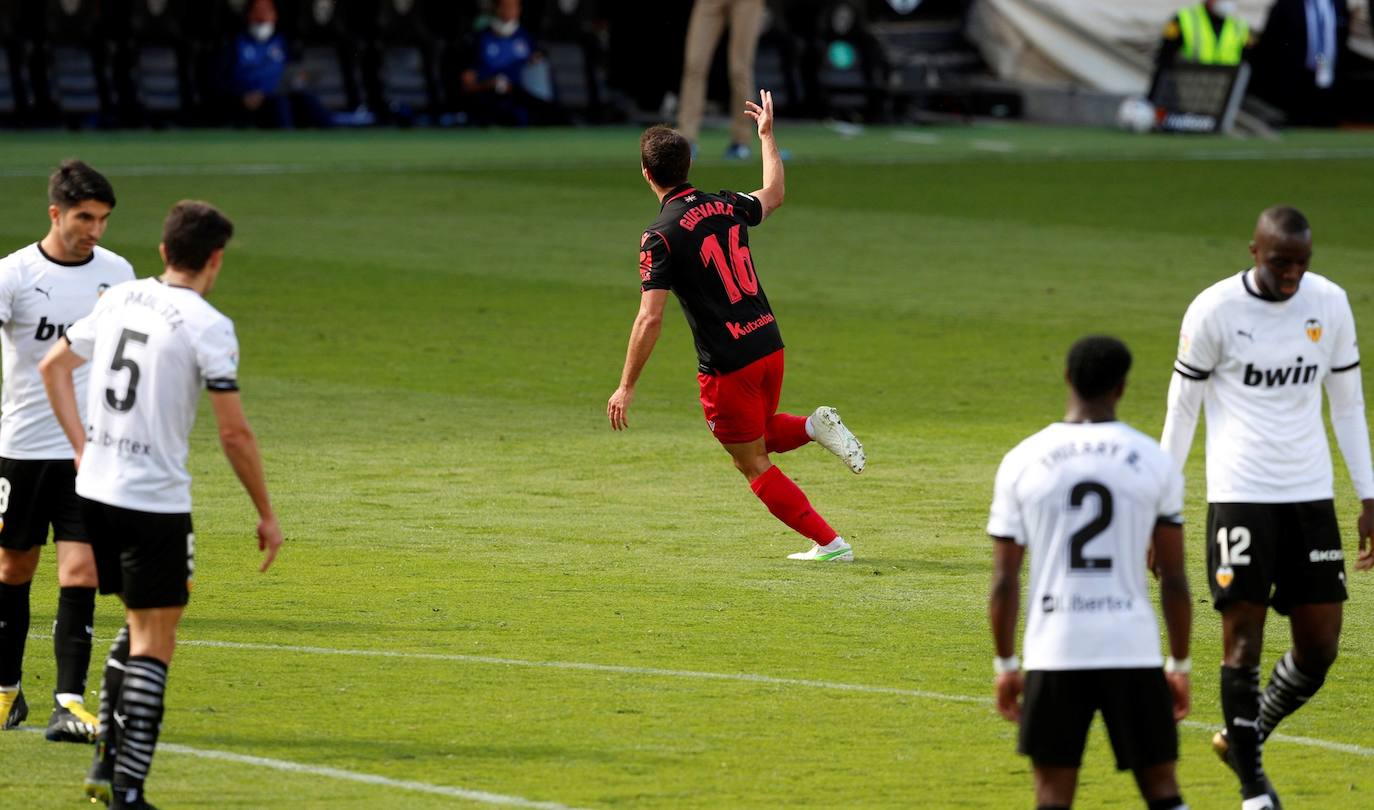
[[288, 766], [746, 677]]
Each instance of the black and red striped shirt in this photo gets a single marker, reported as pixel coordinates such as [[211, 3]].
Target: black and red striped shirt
[[699, 248]]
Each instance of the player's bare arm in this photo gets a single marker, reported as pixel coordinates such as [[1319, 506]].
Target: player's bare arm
[[771, 195], [1166, 559], [57, 367], [241, 448], [1003, 605], [643, 335]]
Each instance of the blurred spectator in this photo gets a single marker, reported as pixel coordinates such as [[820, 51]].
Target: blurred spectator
[[260, 77], [507, 80], [1208, 33], [708, 21], [1297, 63]]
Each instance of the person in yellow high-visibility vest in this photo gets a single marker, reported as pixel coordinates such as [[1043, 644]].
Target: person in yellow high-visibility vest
[[1207, 33]]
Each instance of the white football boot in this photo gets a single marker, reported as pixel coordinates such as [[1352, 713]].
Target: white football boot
[[836, 550], [835, 437]]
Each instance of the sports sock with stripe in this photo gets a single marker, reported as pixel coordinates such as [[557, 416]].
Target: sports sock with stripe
[[790, 505], [1289, 688], [71, 638], [784, 432], [140, 705], [14, 631], [111, 684], [1240, 708]]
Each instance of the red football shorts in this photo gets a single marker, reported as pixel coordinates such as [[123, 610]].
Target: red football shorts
[[739, 404]]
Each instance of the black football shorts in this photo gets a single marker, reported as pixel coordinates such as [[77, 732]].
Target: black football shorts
[[36, 494], [148, 557], [1058, 706], [1279, 554]]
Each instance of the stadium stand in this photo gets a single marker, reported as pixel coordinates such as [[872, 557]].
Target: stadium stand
[[329, 54], [71, 64], [405, 57], [12, 85], [154, 60]]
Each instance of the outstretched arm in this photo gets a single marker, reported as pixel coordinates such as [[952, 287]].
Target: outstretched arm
[[772, 192], [57, 368], [643, 335], [241, 448]]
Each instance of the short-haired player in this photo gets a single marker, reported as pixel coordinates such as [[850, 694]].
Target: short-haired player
[[1096, 503], [1256, 350], [152, 345], [44, 288], [698, 248]]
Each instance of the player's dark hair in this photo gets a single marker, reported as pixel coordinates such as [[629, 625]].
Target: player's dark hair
[[74, 182], [1097, 364], [193, 231], [1285, 219], [666, 154]]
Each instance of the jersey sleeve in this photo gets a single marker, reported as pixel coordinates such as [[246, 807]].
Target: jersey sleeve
[[81, 335], [748, 208], [655, 265], [9, 287], [1170, 508], [1199, 349], [217, 354], [1345, 354], [1006, 519]]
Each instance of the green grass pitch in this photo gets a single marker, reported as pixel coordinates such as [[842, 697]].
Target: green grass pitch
[[431, 323]]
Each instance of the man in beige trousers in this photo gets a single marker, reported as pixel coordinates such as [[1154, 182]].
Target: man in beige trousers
[[709, 18]]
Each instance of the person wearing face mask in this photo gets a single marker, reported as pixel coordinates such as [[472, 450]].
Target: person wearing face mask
[[258, 69], [507, 81], [1207, 33]]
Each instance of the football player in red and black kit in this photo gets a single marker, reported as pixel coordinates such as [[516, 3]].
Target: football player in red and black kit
[[699, 249]]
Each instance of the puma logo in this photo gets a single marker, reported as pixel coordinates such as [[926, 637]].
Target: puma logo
[[1246, 334], [46, 293]]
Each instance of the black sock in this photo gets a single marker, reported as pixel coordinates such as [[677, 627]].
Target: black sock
[[14, 631], [71, 639], [1240, 709], [140, 704], [1171, 803], [1289, 688], [111, 684]]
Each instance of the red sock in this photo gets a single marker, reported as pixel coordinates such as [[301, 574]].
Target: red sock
[[785, 432], [789, 504]]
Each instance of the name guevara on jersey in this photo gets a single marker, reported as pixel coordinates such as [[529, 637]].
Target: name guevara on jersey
[[699, 249]]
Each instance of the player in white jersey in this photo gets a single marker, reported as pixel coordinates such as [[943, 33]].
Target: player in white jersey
[[1255, 350], [152, 345], [44, 288], [1094, 501]]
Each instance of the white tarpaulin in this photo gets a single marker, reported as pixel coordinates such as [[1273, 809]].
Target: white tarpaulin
[[1104, 44]]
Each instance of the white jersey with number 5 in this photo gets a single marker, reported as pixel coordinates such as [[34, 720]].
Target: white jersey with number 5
[[152, 348], [1084, 498]]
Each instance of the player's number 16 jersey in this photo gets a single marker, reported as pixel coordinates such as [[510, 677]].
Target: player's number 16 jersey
[[151, 347], [1085, 499]]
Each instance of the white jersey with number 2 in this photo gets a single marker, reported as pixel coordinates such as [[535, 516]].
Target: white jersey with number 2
[[152, 347], [1084, 498]]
